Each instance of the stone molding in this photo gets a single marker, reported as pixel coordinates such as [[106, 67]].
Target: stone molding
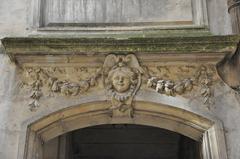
[[21, 49]]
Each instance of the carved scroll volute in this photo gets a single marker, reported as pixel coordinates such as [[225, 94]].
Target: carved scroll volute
[[122, 79]]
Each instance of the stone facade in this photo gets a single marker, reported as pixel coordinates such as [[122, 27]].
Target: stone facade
[[55, 80]]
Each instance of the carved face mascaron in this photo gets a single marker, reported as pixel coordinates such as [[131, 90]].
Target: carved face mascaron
[[121, 79]]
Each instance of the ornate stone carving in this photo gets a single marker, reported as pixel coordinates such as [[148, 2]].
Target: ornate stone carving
[[205, 80], [53, 80], [122, 76], [201, 77], [169, 87], [36, 92], [122, 79]]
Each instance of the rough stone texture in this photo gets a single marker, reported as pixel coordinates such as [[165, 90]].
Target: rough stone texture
[[15, 115]]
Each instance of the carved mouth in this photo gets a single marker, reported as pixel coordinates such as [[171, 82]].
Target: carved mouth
[[120, 84]]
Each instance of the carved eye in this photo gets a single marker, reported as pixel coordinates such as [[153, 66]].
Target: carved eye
[[116, 78]]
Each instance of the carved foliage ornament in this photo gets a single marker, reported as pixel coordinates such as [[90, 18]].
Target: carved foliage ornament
[[201, 78], [49, 80], [169, 87], [121, 77]]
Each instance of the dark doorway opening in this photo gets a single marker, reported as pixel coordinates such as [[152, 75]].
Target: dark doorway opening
[[122, 142]]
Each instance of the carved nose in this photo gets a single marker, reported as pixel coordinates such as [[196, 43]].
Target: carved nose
[[121, 80]]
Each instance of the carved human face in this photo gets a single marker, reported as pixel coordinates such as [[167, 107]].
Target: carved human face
[[121, 81]]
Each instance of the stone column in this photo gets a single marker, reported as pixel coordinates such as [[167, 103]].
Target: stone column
[[234, 11]]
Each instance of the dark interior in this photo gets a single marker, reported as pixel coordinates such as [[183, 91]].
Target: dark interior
[[129, 142]]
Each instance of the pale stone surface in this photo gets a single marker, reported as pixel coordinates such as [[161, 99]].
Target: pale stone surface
[[219, 21], [9, 125], [13, 15], [14, 111], [115, 11], [17, 19], [227, 108]]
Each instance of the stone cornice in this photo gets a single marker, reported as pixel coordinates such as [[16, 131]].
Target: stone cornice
[[207, 47]]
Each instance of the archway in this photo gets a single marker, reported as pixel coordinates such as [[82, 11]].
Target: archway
[[145, 113], [122, 141]]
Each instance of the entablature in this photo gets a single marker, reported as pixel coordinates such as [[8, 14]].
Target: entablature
[[76, 66]]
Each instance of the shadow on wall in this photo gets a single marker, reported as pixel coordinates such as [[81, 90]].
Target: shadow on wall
[[229, 69]]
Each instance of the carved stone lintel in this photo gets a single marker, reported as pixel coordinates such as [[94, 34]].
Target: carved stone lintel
[[122, 77]]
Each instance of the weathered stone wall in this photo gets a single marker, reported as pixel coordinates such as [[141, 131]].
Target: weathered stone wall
[[15, 114], [13, 18], [16, 18], [9, 125]]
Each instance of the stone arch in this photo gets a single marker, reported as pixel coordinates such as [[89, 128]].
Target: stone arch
[[208, 131]]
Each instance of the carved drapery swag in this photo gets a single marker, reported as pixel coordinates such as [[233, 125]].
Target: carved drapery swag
[[121, 76]]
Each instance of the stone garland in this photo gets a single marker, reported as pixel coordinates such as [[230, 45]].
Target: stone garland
[[202, 78], [44, 79], [65, 87], [169, 87], [121, 75]]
